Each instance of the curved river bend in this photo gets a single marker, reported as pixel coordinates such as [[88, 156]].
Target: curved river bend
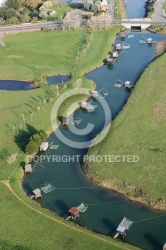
[[106, 208]]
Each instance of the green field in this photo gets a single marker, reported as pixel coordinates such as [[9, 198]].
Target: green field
[[24, 224], [139, 130], [19, 109]]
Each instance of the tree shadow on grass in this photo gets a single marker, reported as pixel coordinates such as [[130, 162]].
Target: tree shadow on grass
[[22, 137]]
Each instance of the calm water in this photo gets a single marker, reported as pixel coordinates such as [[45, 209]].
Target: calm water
[[22, 85], [106, 208], [135, 8]]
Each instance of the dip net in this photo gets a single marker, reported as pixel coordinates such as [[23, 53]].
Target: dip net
[[82, 208], [124, 225], [47, 188]]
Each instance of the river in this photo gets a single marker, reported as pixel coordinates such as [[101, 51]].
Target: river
[[135, 8], [106, 208]]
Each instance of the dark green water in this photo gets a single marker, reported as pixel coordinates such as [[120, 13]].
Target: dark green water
[[106, 208]]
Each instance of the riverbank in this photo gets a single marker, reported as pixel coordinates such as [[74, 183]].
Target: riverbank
[[140, 139]]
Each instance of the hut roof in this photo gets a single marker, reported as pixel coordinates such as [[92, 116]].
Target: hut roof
[[44, 146], [65, 119], [124, 225], [28, 167], [37, 192], [122, 34], [73, 210]]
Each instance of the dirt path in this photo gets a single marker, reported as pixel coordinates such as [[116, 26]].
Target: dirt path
[[7, 184]]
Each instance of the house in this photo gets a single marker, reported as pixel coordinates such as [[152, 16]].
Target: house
[[84, 105], [118, 46], [115, 54], [103, 6], [74, 212], [44, 146], [28, 168], [37, 193], [65, 120], [93, 93]]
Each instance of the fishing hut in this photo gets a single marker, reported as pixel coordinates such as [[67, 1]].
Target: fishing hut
[[84, 105], [118, 46], [128, 84], [164, 247], [37, 193], [93, 93], [149, 40], [44, 146], [65, 120], [122, 35], [74, 213], [28, 168], [110, 60], [123, 227], [115, 54]]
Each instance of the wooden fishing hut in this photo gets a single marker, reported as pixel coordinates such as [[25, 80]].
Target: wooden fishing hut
[[84, 105], [110, 60], [37, 193], [128, 84], [122, 35], [28, 168], [44, 146], [74, 213], [93, 93], [123, 227], [65, 120], [118, 46], [115, 54]]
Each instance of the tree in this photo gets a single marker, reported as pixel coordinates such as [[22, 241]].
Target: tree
[[43, 14], [7, 13], [96, 8], [15, 4], [31, 3]]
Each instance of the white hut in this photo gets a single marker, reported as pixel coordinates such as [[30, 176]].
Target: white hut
[[84, 105], [123, 227], [44, 146], [149, 40], [93, 93], [28, 168], [37, 193], [115, 54], [128, 84], [118, 46]]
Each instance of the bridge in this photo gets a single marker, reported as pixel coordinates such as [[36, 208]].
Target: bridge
[[139, 24]]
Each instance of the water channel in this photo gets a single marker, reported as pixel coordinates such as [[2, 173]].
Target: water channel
[[106, 208]]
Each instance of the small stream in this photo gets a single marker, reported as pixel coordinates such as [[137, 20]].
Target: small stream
[[106, 208]]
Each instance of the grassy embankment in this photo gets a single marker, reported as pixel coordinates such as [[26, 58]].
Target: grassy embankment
[[119, 10], [161, 29], [139, 130], [23, 227]]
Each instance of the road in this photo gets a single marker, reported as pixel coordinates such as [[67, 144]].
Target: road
[[51, 25], [158, 14]]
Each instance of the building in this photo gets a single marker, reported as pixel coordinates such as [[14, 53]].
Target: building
[[28, 168], [37, 193], [74, 212], [115, 54], [44, 146], [84, 105], [118, 46], [149, 40], [110, 60], [93, 93], [128, 84], [65, 120]]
